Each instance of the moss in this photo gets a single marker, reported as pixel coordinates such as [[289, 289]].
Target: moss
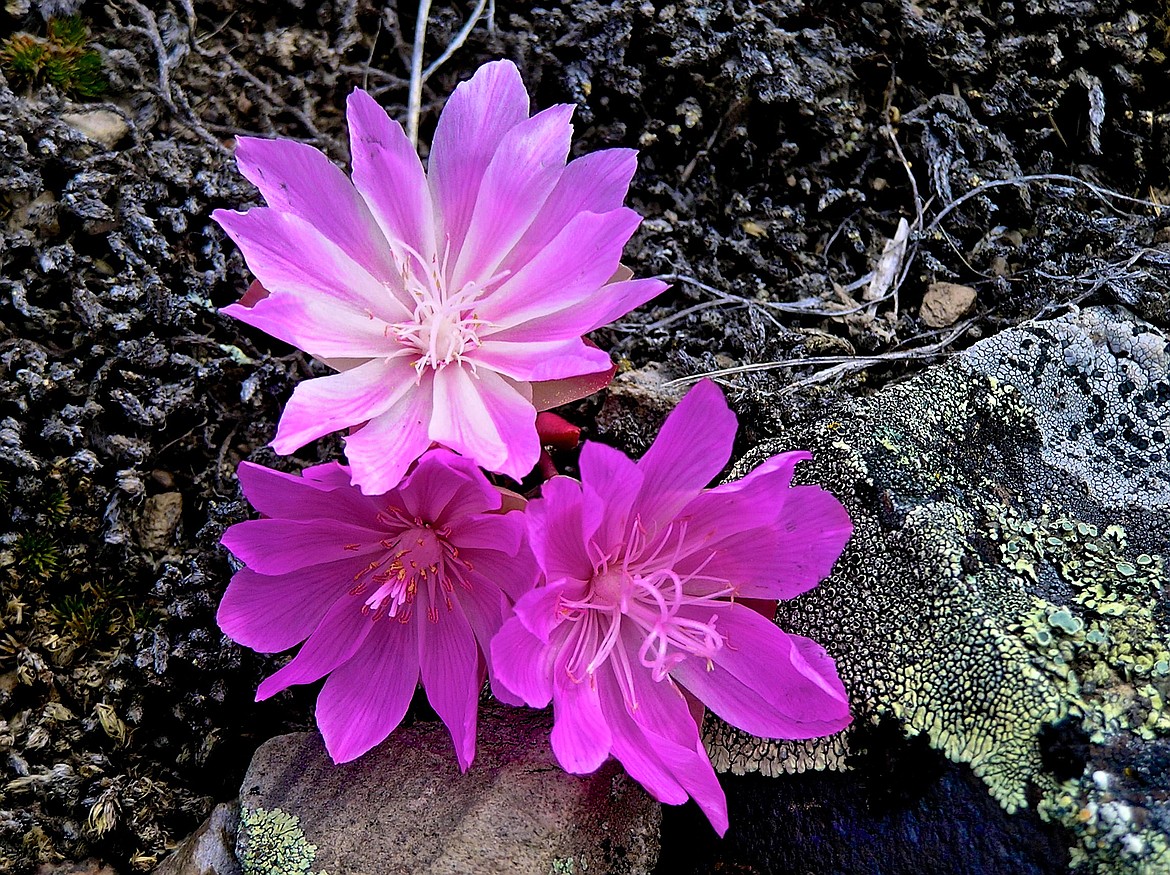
[[271, 842], [63, 59], [35, 554]]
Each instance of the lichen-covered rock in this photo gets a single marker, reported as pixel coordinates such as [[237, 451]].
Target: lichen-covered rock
[[404, 807], [1005, 590]]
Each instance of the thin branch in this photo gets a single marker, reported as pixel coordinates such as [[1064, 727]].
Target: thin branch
[[414, 100], [460, 39]]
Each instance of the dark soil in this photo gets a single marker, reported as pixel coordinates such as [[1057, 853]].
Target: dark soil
[[1026, 144]]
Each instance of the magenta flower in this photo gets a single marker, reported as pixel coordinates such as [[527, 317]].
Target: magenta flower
[[442, 298], [385, 588], [635, 623]]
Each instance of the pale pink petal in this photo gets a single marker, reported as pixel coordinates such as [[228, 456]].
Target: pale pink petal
[[523, 664], [611, 475], [289, 255], [383, 449], [336, 638], [578, 262], [580, 737], [388, 173], [296, 178], [450, 672], [365, 699], [556, 530], [799, 696], [276, 494], [325, 404], [276, 546], [607, 304], [593, 183], [271, 613], [319, 326], [535, 360], [486, 418], [692, 447], [523, 172], [477, 116], [445, 486]]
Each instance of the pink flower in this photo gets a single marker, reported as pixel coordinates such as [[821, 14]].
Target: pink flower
[[634, 622], [444, 299], [383, 587]]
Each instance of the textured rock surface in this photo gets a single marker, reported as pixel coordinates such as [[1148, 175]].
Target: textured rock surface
[[404, 808], [1005, 591], [211, 849]]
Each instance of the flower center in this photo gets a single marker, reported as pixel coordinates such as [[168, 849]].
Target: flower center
[[419, 562], [636, 599], [443, 327]]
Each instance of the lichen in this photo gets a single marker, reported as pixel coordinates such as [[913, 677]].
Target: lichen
[[991, 590], [271, 842]]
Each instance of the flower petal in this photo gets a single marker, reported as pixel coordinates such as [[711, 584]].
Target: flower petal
[[444, 486], [336, 638], [365, 699], [388, 173], [553, 393], [608, 303], [798, 696], [578, 262], [692, 447], [383, 449], [614, 477], [449, 660], [751, 502], [289, 496], [523, 664], [477, 116], [486, 608], [277, 546], [523, 172], [593, 183], [486, 418], [296, 178], [535, 360], [271, 613], [556, 530], [580, 736], [289, 255], [325, 404]]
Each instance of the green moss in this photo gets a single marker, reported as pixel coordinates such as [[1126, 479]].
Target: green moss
[[36, 554], [271, 842], [63, 59]]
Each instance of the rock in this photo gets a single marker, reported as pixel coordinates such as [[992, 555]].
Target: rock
[[404, 807], [211, 849], [101, 125], [1003, 597], [85, 867], [159, 519], [944, 304]]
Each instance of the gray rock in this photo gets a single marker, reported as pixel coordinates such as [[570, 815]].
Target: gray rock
[[211, 849], [101, 125], [404, 808]]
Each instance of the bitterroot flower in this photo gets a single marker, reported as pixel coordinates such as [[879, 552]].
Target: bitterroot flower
[[385, 588], [637, 619], [446, 299]]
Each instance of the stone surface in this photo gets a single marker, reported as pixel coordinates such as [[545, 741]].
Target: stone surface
[[102, 125], [85, 867], [211, 849], [160, 517], [1004, 592], [945, 303], [404, 807]]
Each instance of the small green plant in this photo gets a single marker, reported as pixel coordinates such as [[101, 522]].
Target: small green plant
[[56, 505], [36, 554], [62, 58]]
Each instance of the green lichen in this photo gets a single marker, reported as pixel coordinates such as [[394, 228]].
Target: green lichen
[[271, 842]]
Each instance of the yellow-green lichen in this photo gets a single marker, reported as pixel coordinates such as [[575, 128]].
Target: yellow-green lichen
[[271, 842]]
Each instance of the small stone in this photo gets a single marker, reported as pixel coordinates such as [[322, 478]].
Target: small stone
[[160, 517], [944, 303], [100, 125], [210, 850], [404, 807]]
